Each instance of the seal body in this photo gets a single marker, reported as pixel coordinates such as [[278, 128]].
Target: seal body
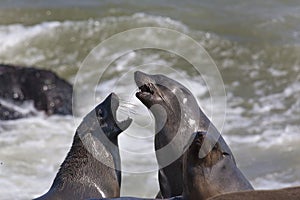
[[209, 171], [292, 193], [47, 91], [83, 174], [177, 116]]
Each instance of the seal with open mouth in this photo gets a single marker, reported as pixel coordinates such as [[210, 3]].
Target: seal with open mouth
[[177, 115], [83, 174]]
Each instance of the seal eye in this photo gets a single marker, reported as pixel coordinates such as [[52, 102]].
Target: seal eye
[[225, 154], [101, 113]]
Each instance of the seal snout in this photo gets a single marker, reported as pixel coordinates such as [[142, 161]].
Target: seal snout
[[199, 138], [142, 78], [145, 91], [146, 86], [108, 112], [114, 104], [114, 101]]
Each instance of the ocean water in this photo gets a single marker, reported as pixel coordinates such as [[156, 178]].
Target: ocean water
[[255, 46]]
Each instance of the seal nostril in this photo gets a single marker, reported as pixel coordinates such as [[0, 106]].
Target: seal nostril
[[101, 113]]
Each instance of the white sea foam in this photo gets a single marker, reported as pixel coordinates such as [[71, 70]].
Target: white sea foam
[[14, 34], [24, 108], [275, 180]]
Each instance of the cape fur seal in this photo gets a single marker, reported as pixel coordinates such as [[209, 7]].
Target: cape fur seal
[[47, 91], [177, 115], [82, 175]]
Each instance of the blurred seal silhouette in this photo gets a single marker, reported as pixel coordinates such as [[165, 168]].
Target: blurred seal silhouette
[[83, 175], [44, 88]]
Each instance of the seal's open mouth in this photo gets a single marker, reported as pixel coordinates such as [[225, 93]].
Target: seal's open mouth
[[146, 89], [114, 103], [145, 84]]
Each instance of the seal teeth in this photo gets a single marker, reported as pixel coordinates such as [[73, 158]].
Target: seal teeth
[[146, 88]]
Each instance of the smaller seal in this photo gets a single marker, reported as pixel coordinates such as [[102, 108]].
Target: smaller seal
[[82, 175], [209, 173], [292, 193]]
